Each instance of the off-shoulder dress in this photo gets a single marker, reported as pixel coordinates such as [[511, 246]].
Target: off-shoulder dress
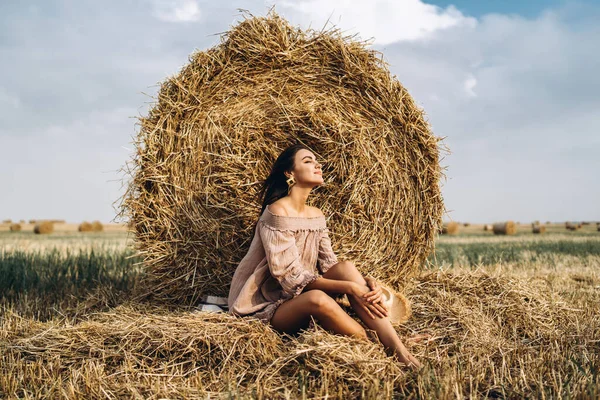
[[285, 255]]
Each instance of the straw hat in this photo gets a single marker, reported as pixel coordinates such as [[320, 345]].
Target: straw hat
[[397, 305]]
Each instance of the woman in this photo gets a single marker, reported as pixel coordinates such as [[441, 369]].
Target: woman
[[290, 272]]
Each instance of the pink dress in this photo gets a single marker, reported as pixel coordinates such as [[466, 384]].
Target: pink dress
[[286, 254]]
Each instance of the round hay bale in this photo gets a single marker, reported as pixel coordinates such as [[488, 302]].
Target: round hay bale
[[43, 227], [538, 228], [488, 227], [571, 226], [97, 226], [85, 227], [218, 125], [32, 221], [15, 227], [504, 228], [450, 228], [7, 221], [466, 224]]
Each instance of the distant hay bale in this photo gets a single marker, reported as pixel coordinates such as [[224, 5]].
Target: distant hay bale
[[571, 226], [85, 227], [504, 228], [7, 221], [450, 228], [97, 226], [218, 126], [538, 228], [15, 227], [43, 227], [466, 224], [32, 221], [58, 221], [488, 227]]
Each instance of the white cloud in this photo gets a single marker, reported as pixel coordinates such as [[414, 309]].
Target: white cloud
[[530, 140], [469, 85], [386, 21], [177, 10]]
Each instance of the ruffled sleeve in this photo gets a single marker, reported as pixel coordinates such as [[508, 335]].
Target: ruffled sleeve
[[284, 260], [327, 257]]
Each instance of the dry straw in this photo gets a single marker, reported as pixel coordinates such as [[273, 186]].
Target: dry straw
[[218, 126], [43, 227], [85, 227], [491, 336], [504, 228]]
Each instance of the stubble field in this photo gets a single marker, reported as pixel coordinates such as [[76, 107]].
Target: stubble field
[[509, 317]]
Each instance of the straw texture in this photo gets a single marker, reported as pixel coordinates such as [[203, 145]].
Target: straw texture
[[491, 336]]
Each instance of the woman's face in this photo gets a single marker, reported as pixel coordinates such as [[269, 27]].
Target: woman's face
[[306, 168]]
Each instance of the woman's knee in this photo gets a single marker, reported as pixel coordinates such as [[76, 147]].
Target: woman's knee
[[351, 272], [320, 302]]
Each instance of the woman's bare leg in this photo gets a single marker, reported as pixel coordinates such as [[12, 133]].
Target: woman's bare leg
[[346, 270], [295, 314]]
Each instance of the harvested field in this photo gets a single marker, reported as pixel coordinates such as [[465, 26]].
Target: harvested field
[[504, 313]]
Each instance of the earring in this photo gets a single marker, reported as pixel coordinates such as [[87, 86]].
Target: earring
[[290, 181]]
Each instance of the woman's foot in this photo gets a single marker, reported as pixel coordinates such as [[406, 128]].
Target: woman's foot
[[409, 360]]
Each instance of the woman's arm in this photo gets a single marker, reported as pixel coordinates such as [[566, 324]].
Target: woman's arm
[[332, 285]]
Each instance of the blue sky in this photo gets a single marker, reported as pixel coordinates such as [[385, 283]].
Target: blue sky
[[513, 86], [524, 8]]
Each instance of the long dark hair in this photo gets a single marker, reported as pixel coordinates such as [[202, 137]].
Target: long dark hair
[[275, 186]]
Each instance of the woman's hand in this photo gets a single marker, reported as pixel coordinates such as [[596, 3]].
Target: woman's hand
[[358, 291], [375, 295]]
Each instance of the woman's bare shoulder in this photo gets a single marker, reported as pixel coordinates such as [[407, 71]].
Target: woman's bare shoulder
[[278, 209]]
